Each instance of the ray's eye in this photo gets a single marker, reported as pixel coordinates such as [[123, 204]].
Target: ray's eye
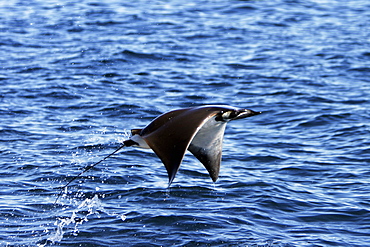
[[220, 116], [226, 116]]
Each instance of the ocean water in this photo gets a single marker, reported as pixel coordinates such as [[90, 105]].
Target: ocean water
[[76, 76]]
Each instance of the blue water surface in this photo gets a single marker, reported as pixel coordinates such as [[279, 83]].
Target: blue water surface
[[76, 76]]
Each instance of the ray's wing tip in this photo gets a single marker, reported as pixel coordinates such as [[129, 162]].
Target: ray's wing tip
[[171, 177], [170, 180], [214, 178]]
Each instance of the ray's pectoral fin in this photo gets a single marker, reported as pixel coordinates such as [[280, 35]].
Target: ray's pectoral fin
[[209, 159], [169, 139], [170, 152], [207, 146]]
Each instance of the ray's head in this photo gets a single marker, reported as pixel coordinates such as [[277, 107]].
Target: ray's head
[[233, 114]]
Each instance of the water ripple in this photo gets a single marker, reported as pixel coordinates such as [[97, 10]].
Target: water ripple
[[77, 76]]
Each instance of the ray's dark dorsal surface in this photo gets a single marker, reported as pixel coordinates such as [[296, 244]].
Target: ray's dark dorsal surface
[[197, 129]]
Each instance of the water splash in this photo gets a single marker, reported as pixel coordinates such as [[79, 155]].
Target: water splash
[[87, 208]]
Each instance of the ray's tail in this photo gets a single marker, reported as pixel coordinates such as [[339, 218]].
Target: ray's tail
[[126, 143]]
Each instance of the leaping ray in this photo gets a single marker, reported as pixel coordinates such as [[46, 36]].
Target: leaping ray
[[197, 129]]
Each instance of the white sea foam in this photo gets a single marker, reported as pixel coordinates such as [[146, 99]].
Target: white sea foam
[[78, 216]]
